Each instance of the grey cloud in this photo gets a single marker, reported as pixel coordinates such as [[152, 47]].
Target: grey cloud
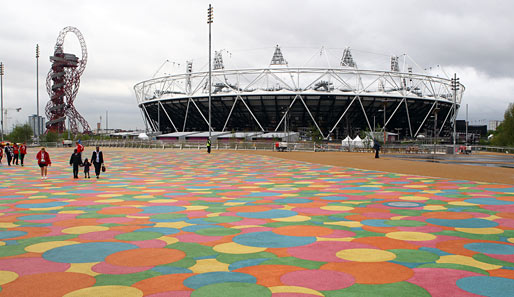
[[128, 40]]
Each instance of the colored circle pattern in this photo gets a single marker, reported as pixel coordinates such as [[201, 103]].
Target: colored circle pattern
[[181, 223]]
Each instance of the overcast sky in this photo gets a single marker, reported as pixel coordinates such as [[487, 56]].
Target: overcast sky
[[128, 41]]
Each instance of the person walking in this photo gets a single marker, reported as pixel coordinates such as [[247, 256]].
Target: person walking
[[9, 153], [43, 160], [16, 151], [86, 165], [98, 160], [23, 152], [208, 146], [75, 161], [1, 153], [376, 147]]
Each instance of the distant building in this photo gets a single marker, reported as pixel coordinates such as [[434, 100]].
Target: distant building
[[475, 132], [34, 123], [493, 125]]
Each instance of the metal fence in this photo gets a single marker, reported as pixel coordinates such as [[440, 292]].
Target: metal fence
[[292, 146]]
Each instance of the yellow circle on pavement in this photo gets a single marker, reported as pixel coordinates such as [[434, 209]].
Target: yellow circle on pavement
[[84, 229], [236, 248], [411, 236], [365, 255], [337, 207], [45, 246], [7, 276], [106, 291], [480, 230]]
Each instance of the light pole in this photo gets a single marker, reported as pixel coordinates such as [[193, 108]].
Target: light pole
[[373, 127], [2, 95], [435, 128], [385, 135], [209, 21], [38, 127], [455, 88], [466, 124]]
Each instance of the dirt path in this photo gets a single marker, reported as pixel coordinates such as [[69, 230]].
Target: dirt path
[[367, 161]]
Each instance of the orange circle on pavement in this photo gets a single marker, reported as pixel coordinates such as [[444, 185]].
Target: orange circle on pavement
[[372, 272], [163, 283], [248, 208], [447, 215], [145, 257], [305, 230], [269, 275], [46, 284], [505, 215], [119, 210]]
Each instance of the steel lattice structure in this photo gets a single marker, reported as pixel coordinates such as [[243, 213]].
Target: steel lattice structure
[[62, 85], [336, 101]]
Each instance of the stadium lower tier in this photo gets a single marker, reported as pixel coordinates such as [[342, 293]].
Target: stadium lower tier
[[335, 116]]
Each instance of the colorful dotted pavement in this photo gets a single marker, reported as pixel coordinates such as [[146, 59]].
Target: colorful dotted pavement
[[184, 223]]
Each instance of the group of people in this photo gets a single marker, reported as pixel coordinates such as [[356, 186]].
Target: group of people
[[97, 160], [15, 153]]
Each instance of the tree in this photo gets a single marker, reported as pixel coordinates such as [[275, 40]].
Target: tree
[[504, 135], [21, 134], [315, 135], [50, 137]]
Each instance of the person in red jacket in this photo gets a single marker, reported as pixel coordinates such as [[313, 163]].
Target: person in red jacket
[[23, 152], [43, 160], [16, 152], [80, 149]]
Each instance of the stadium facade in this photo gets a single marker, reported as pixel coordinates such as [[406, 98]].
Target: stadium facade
[[332, 101]]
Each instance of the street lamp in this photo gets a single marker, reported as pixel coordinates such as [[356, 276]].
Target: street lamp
[[209, 21], [385, 136], [435, 127], [2, 96], [383, 128], [38, 127]]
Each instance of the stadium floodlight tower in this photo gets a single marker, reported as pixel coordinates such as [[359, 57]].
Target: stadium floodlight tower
[[62, 85], [209, 21]]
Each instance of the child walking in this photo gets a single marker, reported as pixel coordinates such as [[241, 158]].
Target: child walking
[[86, 165]]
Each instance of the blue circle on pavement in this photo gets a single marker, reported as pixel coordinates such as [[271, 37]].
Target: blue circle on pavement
[[36, 217], [463, 223], [42, 205], [487, 285], [11, 234], [488, 201], [162, 230], [204, 279], [86, 252], [269, 239], [490, 248], [268, 214]]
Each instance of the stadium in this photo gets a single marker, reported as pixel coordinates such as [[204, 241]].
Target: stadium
[[329, 101]]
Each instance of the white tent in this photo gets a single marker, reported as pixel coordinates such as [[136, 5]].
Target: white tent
[[368, 142], [142, 136], [357, 142], [346, 142]]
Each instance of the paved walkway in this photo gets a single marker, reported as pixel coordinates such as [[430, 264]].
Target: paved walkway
[[191, 224]]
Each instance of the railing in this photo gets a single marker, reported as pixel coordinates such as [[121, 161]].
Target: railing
[[392, 148]]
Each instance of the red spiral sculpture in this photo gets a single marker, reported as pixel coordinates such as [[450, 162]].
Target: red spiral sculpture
[[62, 85]]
